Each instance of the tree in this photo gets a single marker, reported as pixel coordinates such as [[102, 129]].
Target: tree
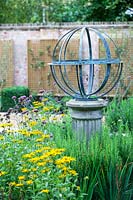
[[20, 11], [109, 10], [30, 11]]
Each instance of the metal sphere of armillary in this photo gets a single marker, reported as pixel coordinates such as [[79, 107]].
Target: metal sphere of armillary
[[86, 63]]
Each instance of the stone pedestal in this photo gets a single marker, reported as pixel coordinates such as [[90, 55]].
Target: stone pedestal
[[86, 117]]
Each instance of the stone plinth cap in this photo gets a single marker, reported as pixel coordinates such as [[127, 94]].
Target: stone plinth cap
[[100, 103]]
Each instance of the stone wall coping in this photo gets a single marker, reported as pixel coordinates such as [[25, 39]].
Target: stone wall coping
[[101, 25]]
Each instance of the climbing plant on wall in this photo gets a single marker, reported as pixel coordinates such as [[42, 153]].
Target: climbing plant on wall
[[6, 64]]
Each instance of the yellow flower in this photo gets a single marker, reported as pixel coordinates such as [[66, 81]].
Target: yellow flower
[[29, 155], [10, 131], [44, 118], [61, 166], [23, 109], [45, 99], [37, 104], [35, 159], [65, 168], [33, 169], [55, 151], [45, 109], [45, 170], [45, 191], [62, 176], [21, 178], [12, 183], [25, 170], [24, 132], [62, 115], [40, 139], [17, 141], [65, 159], [51, 107], [29, 182], [78, 187], [46, 136], [19, 185], [55, 118], [36, 132], [73, 172], [38, 151], [32, 123], [41, 164], [1, 137], [9, 124], [6, 125], [2, 173]]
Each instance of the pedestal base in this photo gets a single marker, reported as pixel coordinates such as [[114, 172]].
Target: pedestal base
[[86, 117]]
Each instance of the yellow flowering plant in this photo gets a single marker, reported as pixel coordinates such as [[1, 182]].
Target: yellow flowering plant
[[35, 168], [31, 165]]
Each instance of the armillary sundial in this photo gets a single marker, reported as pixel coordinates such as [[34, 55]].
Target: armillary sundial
[[86, 72], [83, 59]]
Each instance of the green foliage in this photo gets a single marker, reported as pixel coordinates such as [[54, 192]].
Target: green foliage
[[104, 165], [32, 167], [37, 62], [20, 11], [120, 113], [63, 11], [111, 10], [7, 94], [56, 102]]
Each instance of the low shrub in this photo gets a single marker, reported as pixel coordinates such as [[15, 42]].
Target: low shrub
[[7, 94]]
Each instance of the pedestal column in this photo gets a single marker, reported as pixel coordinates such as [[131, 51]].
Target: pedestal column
[[86, 117]]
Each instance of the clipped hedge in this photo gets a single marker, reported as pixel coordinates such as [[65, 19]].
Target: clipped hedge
[[7, 94]]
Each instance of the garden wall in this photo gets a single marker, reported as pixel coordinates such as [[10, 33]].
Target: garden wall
[[26, 50]]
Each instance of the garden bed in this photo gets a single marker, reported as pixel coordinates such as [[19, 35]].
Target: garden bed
[[41, 159]]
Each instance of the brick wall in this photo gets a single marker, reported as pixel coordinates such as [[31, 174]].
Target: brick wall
[[38, 37]]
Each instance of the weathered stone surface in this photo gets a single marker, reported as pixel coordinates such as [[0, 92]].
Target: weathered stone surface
[[86, 117]]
